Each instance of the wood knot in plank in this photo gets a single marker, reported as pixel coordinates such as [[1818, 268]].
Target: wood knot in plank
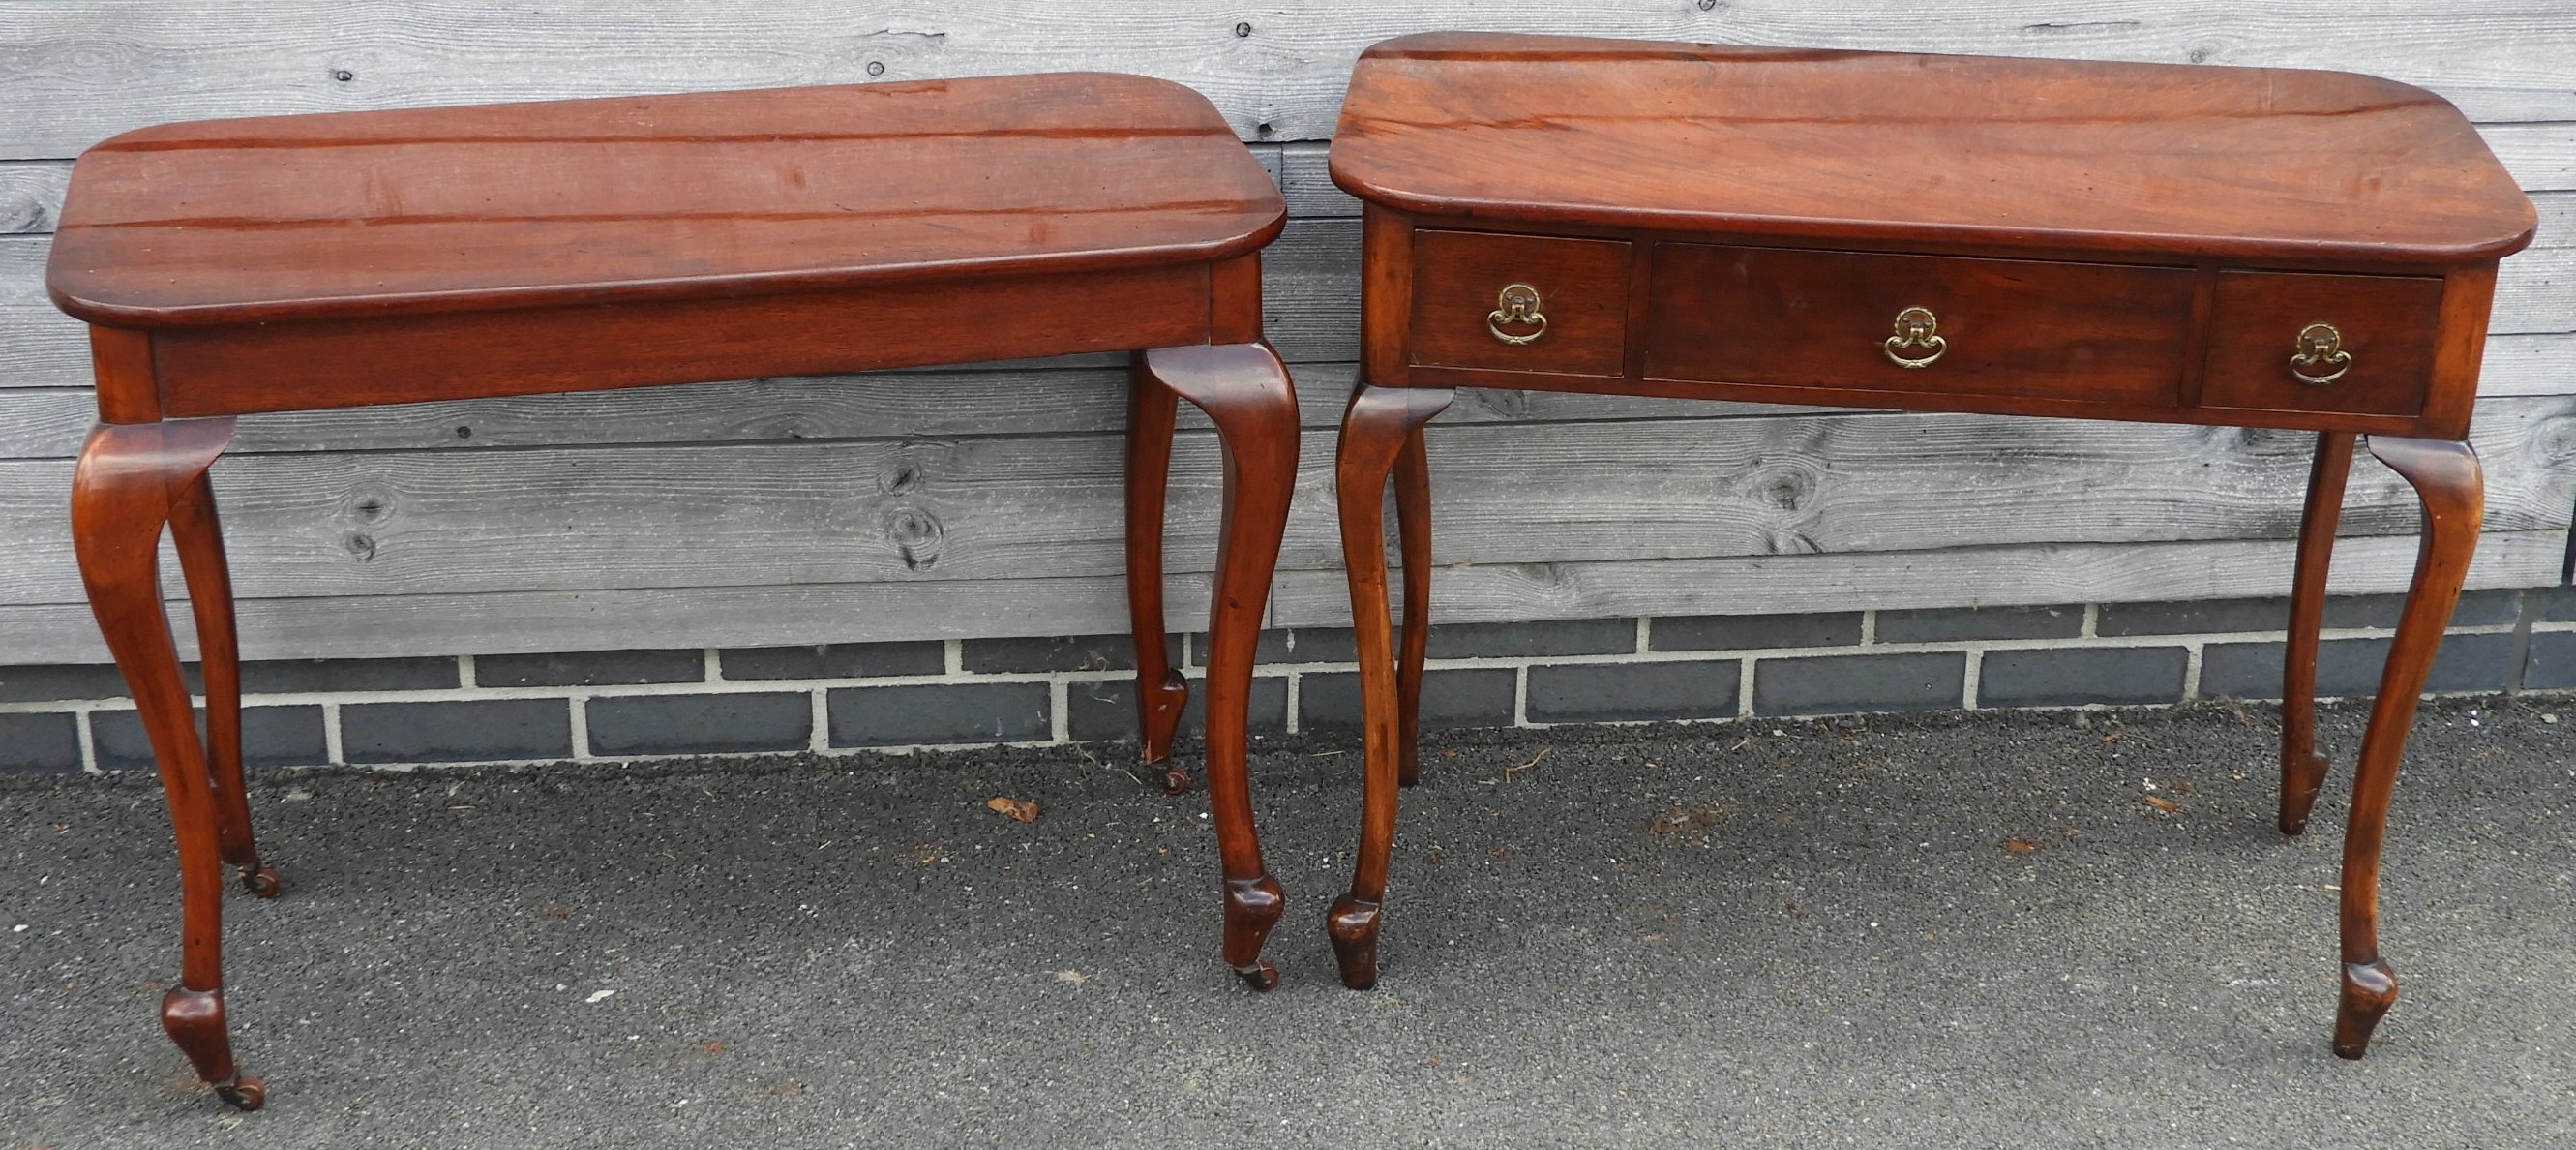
[[917, 537]]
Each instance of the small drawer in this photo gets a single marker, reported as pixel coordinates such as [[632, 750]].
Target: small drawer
[[2285, 341], [1783, 317], [1519, 303]]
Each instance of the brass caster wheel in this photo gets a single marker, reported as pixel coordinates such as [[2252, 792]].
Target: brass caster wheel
[[261, 881], [243, 1093], [1261, 977]]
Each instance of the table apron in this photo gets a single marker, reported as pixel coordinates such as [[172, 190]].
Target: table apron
[[350, 363]]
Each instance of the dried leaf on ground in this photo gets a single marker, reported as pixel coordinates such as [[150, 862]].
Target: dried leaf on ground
[[1681, 819], [2162, 803], [1017, 810], [2020, 846]]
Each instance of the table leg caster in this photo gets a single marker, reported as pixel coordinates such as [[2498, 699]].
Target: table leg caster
[[1160, 722], [1260, 976], [194, 1019], [260, 880], [1252, 907], [1353, 925], [243, 1093], [2369, 988]]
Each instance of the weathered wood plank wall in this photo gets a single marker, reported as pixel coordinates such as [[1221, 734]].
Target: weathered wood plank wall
[[763, 511]]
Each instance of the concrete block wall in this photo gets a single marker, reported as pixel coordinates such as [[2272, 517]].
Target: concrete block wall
[[964, 692]]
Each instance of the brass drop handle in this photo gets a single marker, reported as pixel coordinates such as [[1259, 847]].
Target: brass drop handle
[[2320, 346], [1518, 306], [1916, 327]]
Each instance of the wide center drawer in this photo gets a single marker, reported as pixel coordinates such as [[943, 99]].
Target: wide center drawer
[[1795, 318]]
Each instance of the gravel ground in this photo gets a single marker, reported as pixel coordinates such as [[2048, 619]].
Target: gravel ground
[[1955, 930]]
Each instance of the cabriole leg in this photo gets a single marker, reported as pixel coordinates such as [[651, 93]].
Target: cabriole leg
[[199, 537], [1378, 427], [2446, 477], [1161, 691], [1246, 392], [1413, 545], [2303, 770], [131, 480]]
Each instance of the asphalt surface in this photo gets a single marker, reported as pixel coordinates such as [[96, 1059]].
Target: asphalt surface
[[1916, 932]]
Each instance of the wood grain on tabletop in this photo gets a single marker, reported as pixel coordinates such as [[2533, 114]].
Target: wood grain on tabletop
[[442, 209], [1871, 149]]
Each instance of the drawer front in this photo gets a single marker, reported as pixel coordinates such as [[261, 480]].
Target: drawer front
[[1792, 318], [2293, 341], [1519, 303]]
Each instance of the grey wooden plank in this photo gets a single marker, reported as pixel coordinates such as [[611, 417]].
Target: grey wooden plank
[[50, 423], [1509, 493], [2529, 365], [81, 71], [2557, 219], [621, 619], [36, 341], [2542, 156], [1989, 576], [1310, 291], [543, 621], [2535, 292], [39, 346], [31, 196], [45, 423], [1308, 187], [410, 522], [1037, 399]]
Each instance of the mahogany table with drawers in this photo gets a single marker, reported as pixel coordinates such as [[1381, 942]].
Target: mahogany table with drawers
[[2233, 246], [303, 262]]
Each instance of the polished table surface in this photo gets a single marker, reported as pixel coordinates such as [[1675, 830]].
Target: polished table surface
[[302, 262], [651, 197], [2153, 243]]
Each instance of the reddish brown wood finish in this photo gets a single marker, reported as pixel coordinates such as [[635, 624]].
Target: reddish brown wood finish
[[2448, 481], [1413, 542], [2113, 241], [131, 482], [1376, 430], [2303, 770], [1245, 391], [1901, 152], [1581, 285], [1161, 691], [335, 261], [357, 362], [2387, 325], [2010, 327], [651, 197]]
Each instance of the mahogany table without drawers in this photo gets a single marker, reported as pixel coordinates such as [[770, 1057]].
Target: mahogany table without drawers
[[343, 260], [2232, 246]]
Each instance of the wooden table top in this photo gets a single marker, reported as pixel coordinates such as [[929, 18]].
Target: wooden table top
[[656, 197], [1897, 150]]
